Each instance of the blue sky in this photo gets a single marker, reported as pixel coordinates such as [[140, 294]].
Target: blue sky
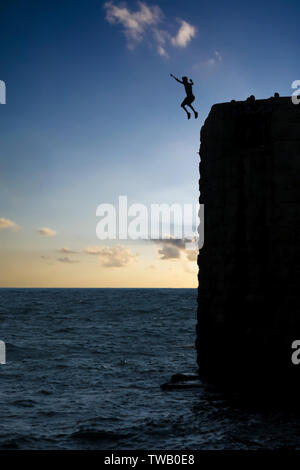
[[92, 113]]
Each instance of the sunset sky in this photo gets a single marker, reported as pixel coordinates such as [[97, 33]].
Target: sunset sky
[[92, 114]]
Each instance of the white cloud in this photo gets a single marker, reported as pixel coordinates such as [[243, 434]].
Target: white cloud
[[7, 223], [218, 57], [134, 22], [46, 232], [67, 259], [185, 33], [172, 248], [113, 256], [161, 37], [66, 250], [93, 250], [211, 62], [145, 20], [162, 51]]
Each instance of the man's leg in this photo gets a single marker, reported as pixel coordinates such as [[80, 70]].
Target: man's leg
[[183, 107], [195, 112]]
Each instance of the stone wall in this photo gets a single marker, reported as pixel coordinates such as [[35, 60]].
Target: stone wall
[[248, 295]]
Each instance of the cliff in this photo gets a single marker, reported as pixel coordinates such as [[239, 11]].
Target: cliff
[[248, 295]]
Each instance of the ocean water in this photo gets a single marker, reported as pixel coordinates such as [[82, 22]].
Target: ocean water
[[84, 368]]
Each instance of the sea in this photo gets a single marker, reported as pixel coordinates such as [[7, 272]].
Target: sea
[[84, 369]]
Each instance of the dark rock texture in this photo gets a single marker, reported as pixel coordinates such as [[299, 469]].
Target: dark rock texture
[[248, 295]]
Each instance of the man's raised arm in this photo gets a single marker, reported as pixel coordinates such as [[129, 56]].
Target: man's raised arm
[[179, 81]]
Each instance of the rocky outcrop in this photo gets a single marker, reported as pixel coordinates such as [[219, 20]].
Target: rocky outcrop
[[248, 295]]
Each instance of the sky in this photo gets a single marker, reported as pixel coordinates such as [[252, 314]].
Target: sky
[[92, 113]]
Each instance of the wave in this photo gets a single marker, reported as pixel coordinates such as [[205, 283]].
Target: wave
[[101, 434]]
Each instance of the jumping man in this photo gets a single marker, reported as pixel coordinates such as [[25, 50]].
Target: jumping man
[[189, 95]]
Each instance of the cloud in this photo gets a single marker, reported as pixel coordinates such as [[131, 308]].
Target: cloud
[[213, 61], [112, 256], [66, 250], [172, 248], [185, 33], [161, 37], [7, 223], [217, 56], [134, 22], [192, 255], [169, 251], [67, 259], [93, 250], [162, 51], [46, 232], [144, 22]]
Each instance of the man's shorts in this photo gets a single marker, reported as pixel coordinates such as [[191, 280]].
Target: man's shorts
[[188, 100]]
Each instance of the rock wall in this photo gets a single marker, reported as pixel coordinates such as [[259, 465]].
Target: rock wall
[[248, 295]]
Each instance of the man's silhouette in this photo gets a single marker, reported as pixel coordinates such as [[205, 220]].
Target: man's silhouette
[[189, 95]]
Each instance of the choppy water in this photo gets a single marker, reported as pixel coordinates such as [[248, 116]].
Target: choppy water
[[84, 368]]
